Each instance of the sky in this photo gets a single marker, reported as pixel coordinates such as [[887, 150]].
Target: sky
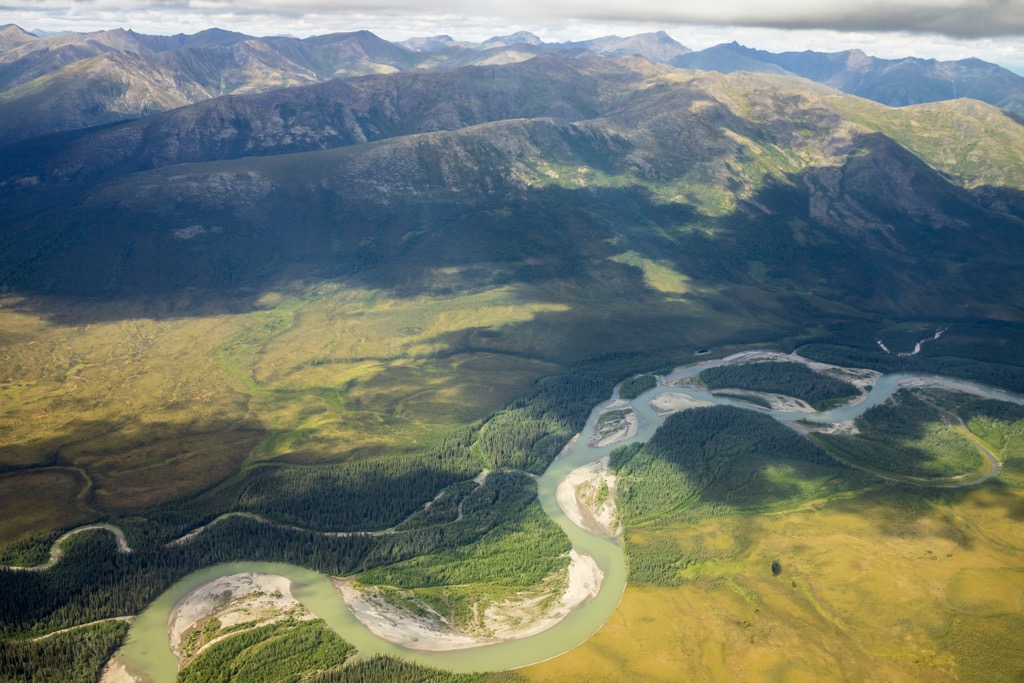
[[943, 29]]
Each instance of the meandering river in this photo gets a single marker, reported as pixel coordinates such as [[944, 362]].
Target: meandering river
[[147, 649]]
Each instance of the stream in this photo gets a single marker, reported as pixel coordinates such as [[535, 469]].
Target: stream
[[147, 649]]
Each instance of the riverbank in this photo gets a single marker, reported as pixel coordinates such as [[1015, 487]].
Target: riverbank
[[616, 423], [668, 403], [587, 497], [227, 604], [511, 619]]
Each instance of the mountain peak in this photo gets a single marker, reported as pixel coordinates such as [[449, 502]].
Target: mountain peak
[[429, 43], [512, 39], [12, 35], [656, 46]]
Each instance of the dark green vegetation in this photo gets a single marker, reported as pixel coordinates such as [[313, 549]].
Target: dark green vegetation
[[29, 551], [308, 651], [906, 436], [501, 525], [95, 581], [502, 540], [531, 432], [980, 351], [283, 651], [495, 516], [635, 386], [791, 379], [503, 544], [689, 501], [73, 657], [710, 462], [396, 670]]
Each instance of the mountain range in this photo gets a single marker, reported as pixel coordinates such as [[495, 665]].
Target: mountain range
[[545, 169], [69, 81]]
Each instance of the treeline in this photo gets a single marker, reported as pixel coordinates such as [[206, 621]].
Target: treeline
[[360, 496], [503, 497], [363, 495], [791, 379], [283, 651], [443, 509], [74, 657], [95, 581], [711, 455], [504, 539], [393, 670], [28, 551], [709, 462], [905, 436], [1000, 425], [634, 386]]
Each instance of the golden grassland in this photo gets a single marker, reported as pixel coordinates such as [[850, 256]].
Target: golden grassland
[[869, 590], [151, 406], [150, 400]]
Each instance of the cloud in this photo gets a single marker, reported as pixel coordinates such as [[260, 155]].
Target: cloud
[[943, 29], [957, 18]]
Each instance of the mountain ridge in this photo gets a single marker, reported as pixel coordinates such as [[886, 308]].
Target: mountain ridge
[[895, 82], [743, 183], [39, 74]]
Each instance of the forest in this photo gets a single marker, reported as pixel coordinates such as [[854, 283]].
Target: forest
[[791, 379], [530, 433], [635, 386], [95, 581], [1000, 425], [502, 532], [71, 657], [309, 651], [281, 651], [975, 351], [394, 670], [503, 544], [906, 436]]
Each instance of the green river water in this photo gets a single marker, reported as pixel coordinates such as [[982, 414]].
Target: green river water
[[147, 649]]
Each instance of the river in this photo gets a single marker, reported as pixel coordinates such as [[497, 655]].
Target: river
[[147, 649]]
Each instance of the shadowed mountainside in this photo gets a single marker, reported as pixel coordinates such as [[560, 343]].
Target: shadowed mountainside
[[543, 170]]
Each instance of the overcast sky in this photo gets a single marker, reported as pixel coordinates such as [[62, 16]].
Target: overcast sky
[[944, 29]]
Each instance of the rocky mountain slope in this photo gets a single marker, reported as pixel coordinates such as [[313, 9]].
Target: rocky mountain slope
[[70, 81], [544, 170]]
